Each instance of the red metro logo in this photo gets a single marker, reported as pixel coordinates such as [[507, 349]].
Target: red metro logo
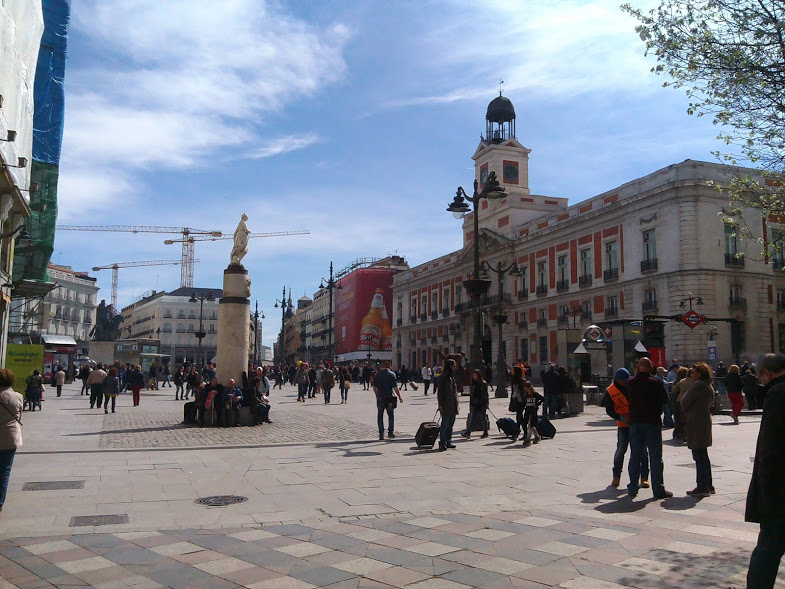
[[692, 319]]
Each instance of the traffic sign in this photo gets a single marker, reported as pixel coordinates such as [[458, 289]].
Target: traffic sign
[[692, 319]]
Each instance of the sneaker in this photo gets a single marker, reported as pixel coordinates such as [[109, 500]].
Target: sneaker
[[645, 484], [664, 495], [537, 439], [616, 482], [485, 435], [391, 435], [696, 492], [466, 435], [527, 442], [451, 446], [381, 436], [442, 448]]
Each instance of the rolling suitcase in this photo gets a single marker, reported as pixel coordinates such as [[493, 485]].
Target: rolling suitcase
[[509, 427], [545, 428], [427, 433], [478, 425], [189, 412]]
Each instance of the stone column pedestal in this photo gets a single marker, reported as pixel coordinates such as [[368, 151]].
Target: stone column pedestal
[[234, 325]]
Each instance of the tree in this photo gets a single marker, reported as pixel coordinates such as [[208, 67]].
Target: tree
[[729, 56]]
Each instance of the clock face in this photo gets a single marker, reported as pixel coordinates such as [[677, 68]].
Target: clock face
[[484, 175], [510, 172]]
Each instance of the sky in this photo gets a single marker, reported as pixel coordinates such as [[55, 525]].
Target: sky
[[353, 120]]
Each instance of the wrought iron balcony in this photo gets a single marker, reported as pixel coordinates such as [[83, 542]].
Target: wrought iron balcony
[[649, 306], [523, 324], [562, 285], [434, 314], [433, 339], [586, 316], [399, 322], [423, 339], [542, 289], [523, 294], [649, 265], [423, 316], [445, 337], [463, 307], [781, 305], [611, 312], [563, 318], [736, 260], [413, 319], [584, 280], [737, 303], [611, 274], [446, 312], [496, 299], [542, 322]]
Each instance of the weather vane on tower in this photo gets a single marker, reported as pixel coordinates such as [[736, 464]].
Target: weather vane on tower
[[500, 86]]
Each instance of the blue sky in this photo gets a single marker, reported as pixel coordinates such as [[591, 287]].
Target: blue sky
[[355, 120]]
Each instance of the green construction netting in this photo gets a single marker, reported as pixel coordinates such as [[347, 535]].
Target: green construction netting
[[32, 258]]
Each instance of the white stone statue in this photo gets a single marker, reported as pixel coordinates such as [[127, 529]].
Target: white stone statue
[[240, 241]]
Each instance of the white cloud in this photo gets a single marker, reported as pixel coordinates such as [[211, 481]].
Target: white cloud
[[81, 193], [180, 82], [283, 145]]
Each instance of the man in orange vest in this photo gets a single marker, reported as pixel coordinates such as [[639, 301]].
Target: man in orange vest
[[617, 407]]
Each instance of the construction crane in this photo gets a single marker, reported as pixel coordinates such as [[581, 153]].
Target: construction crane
[[187, 261], [189, 241], [115, 267]]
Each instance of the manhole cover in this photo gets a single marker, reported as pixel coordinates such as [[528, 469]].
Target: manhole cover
[[221, 500], [53, 485], [98, 520]]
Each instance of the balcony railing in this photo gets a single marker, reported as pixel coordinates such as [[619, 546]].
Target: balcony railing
[[562, 285], [523, 294], [584, 280], [423, 339], [413, 319], [445, 337], [434, 314], [778, 263], [423, 316], [399, 322], [542, 322], [542, 289], [611, 312], [433, 339], [446, 312], [736, 260], [496, 299], [611, 274], [649, 306], [563, 318], [586, 316], [737, 303], [781, 305], [649, 265], [463, 307], [523, 324]]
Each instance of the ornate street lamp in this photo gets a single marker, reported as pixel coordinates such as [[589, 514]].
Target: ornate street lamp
[[200, 298], [500, 319], [477, 286], [256, 315], [331, 286], [286, 313]]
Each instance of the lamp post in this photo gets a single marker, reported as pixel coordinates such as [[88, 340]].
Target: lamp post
[[690, 298], [330, 286], [575, 312], [286, 313], [368, 340], [500, 319], [256, 315], [200, 298], [476, 287]]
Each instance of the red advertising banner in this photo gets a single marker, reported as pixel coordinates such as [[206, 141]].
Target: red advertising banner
[[363, 306], [657, 356]]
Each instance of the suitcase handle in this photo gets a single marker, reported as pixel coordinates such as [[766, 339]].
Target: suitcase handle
[[492, 413], [434, 416]]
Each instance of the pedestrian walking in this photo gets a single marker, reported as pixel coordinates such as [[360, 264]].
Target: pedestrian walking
[[11, 404], [427, 375], [328, 382], [531, 401], [646, 397], [766, 495], [95, 381], [136, 382], [385, 387], [167, 376], [750, 387], [179, 383], [84, 373], [311, 382], [721, 373], [617, 407], [366, 376], [346, 383], [301, 378], [447, 397], [696, 404], [550, 386], [479, 402], [734, 387], [677, 394], [517, 399], [59, 378], [404, 377], [111, 388]]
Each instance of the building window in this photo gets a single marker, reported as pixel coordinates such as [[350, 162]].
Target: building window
[[778, 249], [191, 314], [181, 328], [544, 349], [524, 278], [446, 298], [424, 305], [542, 274], [735, 292], [413, 312], [434, 301], [780, 299], [613, 304], [781, 333], [168, 314], [586, 262], [181, 314], [737, 338], [649, 245], [612, 255], [213, 316], [563, 271], [525, 349], [731, 239], [458, 294], [650, 295], [167, 327]]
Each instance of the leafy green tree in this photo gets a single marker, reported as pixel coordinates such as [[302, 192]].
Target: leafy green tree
[[729, 57]]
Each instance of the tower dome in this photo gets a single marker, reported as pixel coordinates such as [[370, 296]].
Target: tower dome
[[500, 110]]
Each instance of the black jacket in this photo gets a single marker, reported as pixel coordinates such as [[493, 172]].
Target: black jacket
[[550, 382], [478, 395], [766, 496]]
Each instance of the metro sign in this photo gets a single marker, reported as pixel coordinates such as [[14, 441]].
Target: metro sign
[[692, 319], [595, 334]]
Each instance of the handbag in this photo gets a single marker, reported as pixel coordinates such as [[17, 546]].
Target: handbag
[[391, 402], [12, 414], [515, 404]]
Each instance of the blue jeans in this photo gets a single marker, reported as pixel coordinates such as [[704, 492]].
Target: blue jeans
[[622, 443], [302, 390], [765, 559], [6, 462], [380, 409], [646, 436], [550, 406], [702, 468], [445, 431]]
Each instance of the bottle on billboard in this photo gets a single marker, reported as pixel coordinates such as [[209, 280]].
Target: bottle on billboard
[[371, 328], [387, 334]]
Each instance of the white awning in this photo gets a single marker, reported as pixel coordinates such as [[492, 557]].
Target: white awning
[[58, 340]]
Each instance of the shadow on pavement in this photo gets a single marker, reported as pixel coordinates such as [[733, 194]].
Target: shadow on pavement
[[680, 503], [624, 504], [596, 496]]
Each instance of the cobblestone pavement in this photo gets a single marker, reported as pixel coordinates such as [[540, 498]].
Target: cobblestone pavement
[[358, 512], [163, 429]]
